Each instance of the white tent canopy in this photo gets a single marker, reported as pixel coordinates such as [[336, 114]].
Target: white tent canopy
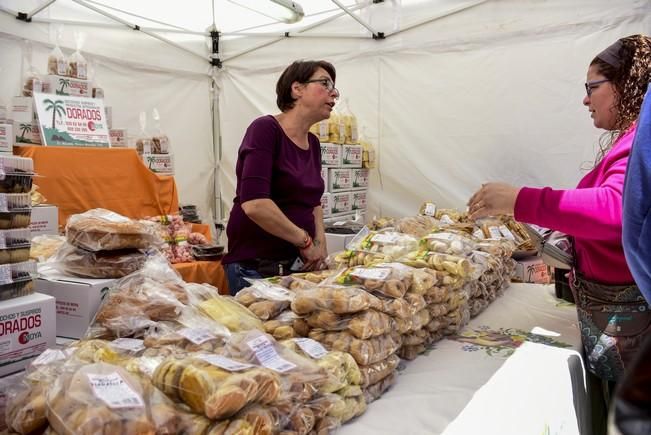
[[458, 93]]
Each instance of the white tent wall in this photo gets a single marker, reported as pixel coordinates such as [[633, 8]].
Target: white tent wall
[[138, 73], [490, 93]]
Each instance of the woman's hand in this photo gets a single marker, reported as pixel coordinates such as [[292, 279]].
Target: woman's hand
[[312, 256], [493, 199]]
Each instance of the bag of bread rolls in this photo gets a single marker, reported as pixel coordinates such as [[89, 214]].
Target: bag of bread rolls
[[365, 352], [264, 299], [374, 373], [334, 298]]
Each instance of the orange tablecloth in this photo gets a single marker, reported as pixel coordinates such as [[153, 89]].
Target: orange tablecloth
[[78, 179], [210, 272]]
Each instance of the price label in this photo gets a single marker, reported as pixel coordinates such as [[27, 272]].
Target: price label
[[378, 273], [386, 239], [495, 232], [130, 344], [311, 347], [478, 233], [197, 335], [430, 209], [224, 363], [113, 390], [267, 355], [506, 232], [445, 219], [5, 274]]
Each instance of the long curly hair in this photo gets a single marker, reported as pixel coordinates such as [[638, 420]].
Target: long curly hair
[[630, 80]]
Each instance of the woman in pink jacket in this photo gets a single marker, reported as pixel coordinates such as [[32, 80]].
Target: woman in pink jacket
[[613, 315]]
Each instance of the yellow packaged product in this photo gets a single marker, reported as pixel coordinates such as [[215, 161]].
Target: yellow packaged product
[[230, 313]]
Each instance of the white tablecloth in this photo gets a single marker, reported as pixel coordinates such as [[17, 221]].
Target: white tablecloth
[[519, 372]]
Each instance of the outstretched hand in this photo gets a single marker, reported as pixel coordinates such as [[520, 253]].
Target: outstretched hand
[[492, 199]]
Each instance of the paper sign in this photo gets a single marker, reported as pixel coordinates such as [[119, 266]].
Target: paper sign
[[72, 121]]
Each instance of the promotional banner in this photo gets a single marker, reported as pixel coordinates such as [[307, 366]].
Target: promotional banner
[[72, 121]]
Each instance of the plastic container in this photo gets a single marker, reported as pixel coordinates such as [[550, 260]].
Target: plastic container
[[14, 245], [17, 279], [14, 164], [15, 210], [15, 183]]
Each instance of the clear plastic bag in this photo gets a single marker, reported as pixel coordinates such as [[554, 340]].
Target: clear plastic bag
[[362, 325], [216, 386], [230, 313], [337, 299], [56, 61], [101, 398], [388, 279], [70, 260], [453, 264], [375, 391], [411, 352], [390, 244], [374, 373], [416, 226], [202, 336], [282, 326], [77, 64], [144, 143], [32, 81], [103, 230], [159, 141], [264, 299], [449, 243], [365, 352]]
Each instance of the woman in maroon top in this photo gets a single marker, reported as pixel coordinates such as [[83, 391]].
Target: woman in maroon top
[[276, 216]]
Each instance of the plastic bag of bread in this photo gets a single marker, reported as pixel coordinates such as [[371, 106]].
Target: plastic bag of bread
[[449, 243], [45, 246], [104, 398], [427, 208], [416, 226], [301, 377], [363, 325], [31, 78], [416, 337], [265, 420], [457, 320], [265, 299], [438, 310], [316, 276], [77, 64], [423, 280], [410, 352], [282, 326], [230, 313], [436, 324], [388, 279], [365, 352], [71, 260], [436, 295], [160, 141], [397, 308], [103, 230], [375, 391], [454, 265], [25, 411], [416, 302], [450, 215], [390, 244], [341, 366], [337, 299], [191, 339], [374, 373], [215, 386]]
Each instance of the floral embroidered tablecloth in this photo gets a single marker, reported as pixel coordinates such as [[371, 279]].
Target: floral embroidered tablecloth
[[515, 369]]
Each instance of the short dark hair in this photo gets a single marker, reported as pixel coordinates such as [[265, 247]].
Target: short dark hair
[[299, 71]]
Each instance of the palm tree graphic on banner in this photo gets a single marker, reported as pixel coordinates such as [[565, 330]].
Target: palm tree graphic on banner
[[24, 128], [64, 84], [56, 107]]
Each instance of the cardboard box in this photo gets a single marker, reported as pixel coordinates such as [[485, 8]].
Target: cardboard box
[[27, 326], [358, 200], [22, 110], [159, 163], [351, 156], [26, 133], [77, 300], [60, 85], [3, 113], [340, 179], [341, 202], [119, 137], [360, 178], [108, 110], [324, 175], [532, 269], [45, 220], [330, 155], [344, 217], [7, 137], [326, 204]]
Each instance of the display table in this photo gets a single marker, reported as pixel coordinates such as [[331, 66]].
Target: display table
[[79, 179], [518, 370], [210, 272]]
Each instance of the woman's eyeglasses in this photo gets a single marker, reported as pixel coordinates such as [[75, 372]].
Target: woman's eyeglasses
[[327, 83], [591, 86]]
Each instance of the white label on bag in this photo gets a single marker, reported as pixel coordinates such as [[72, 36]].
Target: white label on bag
[[378, 273], [402, 268], [448, 237], [495, 232], [197, 336], [311, 347], [3, 241], [114, 391], [267, 355], [224, 363], [506, 232], [387, 239], [430, 209], [49, 356], [132, 344], [113, 217], [479, 234], [445, 219], [481, 253], [5, 274], [3, 203]]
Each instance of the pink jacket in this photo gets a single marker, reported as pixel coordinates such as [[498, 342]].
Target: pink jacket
[[592, 213]]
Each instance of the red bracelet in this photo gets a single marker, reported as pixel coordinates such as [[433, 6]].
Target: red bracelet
[[307, 242]]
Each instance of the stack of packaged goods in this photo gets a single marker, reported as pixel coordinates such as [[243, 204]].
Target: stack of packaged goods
[[179, 240], [344, 172], [104, 244], [154, 146]]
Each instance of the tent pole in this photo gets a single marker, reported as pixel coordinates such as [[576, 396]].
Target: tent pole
[[439, 16], [288, 34], [136, 15], [359, 20], [39, 9], [106, 25], [299, 35], [136, 27]]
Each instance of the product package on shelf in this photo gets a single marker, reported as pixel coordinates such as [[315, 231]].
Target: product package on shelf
[[77, 64], [31, 77]]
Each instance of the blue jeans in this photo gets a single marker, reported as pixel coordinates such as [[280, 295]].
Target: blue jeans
[[236, 274]]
